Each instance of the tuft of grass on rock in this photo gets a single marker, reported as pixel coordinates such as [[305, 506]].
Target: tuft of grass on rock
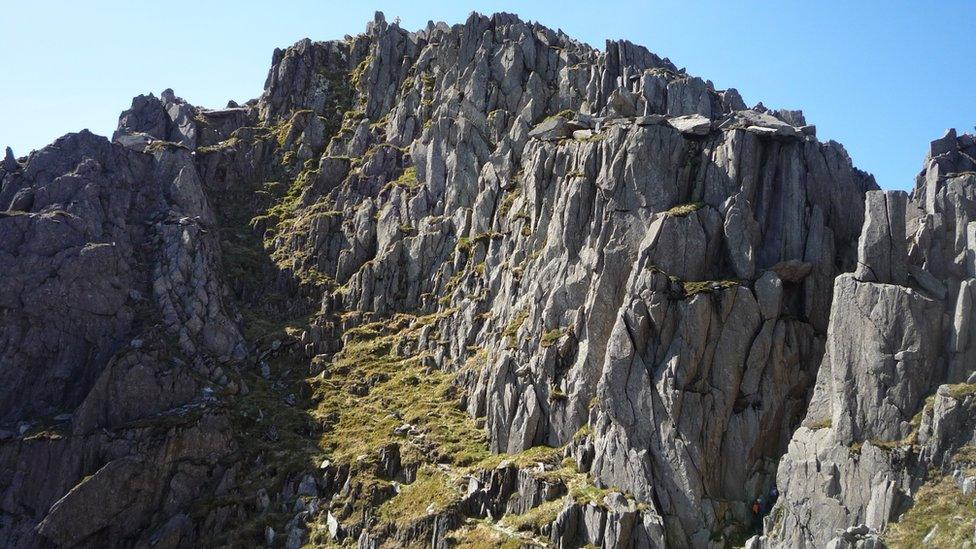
[[683, 210], [704, 286], [511, 331], [550, 337]]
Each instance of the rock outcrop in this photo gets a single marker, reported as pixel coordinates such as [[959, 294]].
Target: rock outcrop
[[895, 368], [477, 283]]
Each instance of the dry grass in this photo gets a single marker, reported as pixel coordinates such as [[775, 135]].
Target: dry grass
[[938, 504], [682, 210]]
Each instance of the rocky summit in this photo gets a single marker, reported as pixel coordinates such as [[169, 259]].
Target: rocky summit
[[483, 285]]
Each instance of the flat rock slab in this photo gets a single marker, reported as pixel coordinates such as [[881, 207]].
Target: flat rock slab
[[551, 129], [692, 124]]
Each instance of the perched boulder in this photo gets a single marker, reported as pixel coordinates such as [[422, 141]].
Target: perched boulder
[[691, 124], [552, 129]]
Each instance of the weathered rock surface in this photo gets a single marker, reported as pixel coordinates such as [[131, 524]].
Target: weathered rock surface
[[604, 254], [876, 426]]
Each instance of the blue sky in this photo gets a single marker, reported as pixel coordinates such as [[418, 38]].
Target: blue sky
[[883, 78]]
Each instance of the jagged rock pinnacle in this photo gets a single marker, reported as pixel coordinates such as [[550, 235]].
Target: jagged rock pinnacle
[[478, 283]]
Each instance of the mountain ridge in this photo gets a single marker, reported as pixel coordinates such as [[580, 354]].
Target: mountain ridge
[[476, 284]]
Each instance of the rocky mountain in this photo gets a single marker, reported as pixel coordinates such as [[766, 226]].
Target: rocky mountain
[[482, 285]]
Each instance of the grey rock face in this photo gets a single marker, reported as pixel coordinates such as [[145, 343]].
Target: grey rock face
[[616, 259], [108, 237], [883, 349], [552, 129], [882, 253], [167, 119], [879, 420], [692, 124]]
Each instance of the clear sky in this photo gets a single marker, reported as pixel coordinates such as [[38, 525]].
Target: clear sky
[[883, 78]]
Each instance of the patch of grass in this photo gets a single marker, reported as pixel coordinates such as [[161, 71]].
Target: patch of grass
[[960, 391], [287, 204], [965, 454], [511, 331], [582, 433], [938, 504], [557, 395], [550, 337], [432, 490], [356, 75], [508, 200], [228, 143], [526, 458], [368, 392], [594, 138], [566, 114], [703, 286], [466, 244], [579, 485], [285, 128], [407, 180], [536, 518], [824, 423], [682, 210], [481, 534]]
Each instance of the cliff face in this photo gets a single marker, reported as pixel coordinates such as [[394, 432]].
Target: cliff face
[[886, 443], [474, 284]]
